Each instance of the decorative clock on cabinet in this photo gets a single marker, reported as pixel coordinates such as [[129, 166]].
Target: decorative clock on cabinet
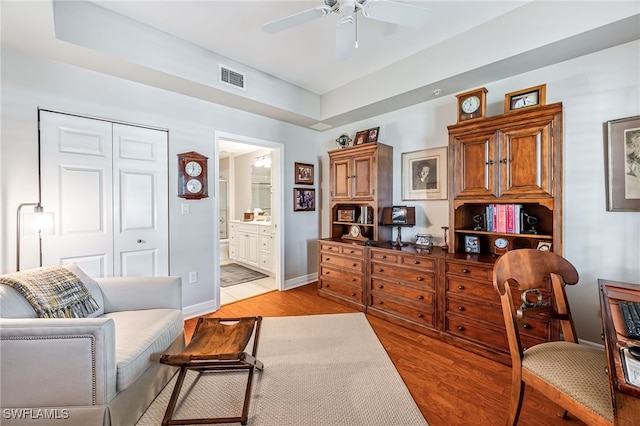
[[192, 175], [472, 104]]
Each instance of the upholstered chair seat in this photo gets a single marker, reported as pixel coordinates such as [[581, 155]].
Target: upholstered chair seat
[[577, 370]]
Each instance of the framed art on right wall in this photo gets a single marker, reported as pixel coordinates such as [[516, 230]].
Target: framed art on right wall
[[622, 156]]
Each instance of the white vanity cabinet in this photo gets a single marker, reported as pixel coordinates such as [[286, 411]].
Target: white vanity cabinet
[[251, 244]]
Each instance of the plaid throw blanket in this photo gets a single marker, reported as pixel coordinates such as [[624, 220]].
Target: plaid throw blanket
[[53, 291]]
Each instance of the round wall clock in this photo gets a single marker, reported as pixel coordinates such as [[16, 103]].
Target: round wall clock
[[192, 175], [472, 104]]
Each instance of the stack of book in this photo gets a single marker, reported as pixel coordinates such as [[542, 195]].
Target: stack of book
[[504, 218]]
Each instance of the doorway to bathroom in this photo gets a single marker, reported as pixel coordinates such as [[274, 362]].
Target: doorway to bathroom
[[249, 211]]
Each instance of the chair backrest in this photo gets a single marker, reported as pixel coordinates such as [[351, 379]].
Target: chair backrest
[[530, 271]]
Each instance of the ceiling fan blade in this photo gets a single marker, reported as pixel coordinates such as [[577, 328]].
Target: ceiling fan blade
[[345, 37], [403, 14], [296, 19]]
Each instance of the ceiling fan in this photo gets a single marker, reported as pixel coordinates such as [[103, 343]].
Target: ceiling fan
[[381, 10]]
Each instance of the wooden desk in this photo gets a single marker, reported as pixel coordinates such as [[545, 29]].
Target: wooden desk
[[625, 396]]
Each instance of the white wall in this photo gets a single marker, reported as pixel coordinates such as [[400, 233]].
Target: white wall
[[593, 89], [29, 82]]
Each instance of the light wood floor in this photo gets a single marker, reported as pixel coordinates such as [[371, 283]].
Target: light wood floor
[[451, 387]]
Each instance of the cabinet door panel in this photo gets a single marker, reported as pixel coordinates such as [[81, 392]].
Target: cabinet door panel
[[526, 161], [475, 159], [363, 180], [341, 179]]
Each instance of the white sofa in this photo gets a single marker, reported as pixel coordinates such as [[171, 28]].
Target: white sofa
[[99, 370]]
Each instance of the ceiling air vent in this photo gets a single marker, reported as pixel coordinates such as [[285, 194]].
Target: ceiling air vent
[[231, 77]]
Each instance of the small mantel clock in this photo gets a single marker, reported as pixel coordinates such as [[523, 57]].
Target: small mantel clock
[[192, 175], [472, 104]]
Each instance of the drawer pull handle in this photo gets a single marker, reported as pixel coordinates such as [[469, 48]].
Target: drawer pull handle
[[527, 326], [354, 265], [353, 294], [461, 328], [465, 271], [416, 262], [420, 278], [420, 297], [380, 286], [384, 256], [460, 287], [351, 251], [380, 270], [353, 280], [380, 302], [326, 273], [461, 308], [420, 315], [327, 259], [327, 286]]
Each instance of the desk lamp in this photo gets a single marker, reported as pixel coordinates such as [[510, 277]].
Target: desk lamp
[[399, 216]]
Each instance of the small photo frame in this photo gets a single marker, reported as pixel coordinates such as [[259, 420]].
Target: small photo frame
[[544, 245], [361, 137], [346, 215], [622, 168], [533, 96], [304, 200], [304, 174], [471, 244], [372, 134], [424, 174], [423, 240]]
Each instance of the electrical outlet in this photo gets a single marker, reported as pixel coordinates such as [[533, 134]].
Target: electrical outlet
[[193, 277]]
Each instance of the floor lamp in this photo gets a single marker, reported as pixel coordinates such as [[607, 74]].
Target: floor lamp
[[43, 223]]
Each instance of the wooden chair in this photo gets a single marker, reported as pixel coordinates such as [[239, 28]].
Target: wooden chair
[[570, 374]]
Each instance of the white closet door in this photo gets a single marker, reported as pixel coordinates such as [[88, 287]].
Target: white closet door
[[107, 185], [76, 178], [141, 201]]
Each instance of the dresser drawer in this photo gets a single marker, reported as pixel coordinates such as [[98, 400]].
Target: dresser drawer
[[408, 292], [469, 270], [353, 278], [353, 250], [475, 311], [337, 248], [341, 261], [459, 286], [384, 255], [422, 262], [342, 289], [413, 275], [422, 314]]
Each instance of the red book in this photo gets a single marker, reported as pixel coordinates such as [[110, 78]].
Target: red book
[[502, 218], [511, 224]]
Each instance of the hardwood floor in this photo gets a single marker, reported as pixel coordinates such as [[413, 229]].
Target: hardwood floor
[[451, 387]]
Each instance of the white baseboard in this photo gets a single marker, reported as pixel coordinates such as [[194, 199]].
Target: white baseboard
[[209, 306]]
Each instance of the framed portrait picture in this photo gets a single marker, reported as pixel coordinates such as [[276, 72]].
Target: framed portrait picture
[[372, 134], [347, 215], [424, 174], [304, 200], [533, 96], [304, 174], [622, 168], [361, 137], [471, 244]]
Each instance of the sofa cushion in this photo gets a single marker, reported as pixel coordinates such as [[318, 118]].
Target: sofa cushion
[[91, 285], [141, 337]]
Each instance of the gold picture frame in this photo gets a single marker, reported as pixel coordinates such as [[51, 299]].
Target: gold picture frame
[[526, 98]]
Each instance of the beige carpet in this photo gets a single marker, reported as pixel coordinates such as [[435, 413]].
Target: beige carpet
[[319, 370]]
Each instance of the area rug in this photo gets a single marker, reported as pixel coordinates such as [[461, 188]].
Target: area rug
[[233, 274], [318, 370]]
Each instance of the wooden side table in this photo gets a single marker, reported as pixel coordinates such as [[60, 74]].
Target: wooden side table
[[217, 344]]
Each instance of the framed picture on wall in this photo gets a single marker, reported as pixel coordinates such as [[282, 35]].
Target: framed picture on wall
[[622, 168], [424, 174], [304, 174], [304, 199]]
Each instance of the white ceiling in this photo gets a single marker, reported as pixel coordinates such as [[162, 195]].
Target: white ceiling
[[305, 55]]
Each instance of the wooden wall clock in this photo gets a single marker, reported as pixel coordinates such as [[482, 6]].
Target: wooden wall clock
[[192, 175], [472, 104]]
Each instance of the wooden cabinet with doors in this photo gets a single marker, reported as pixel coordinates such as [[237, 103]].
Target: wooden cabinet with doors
[[514, 159], [361, 181]]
